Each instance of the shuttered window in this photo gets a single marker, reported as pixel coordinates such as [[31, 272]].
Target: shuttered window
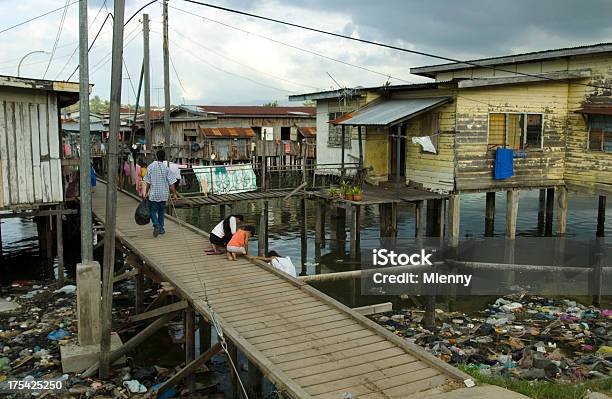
[[497, 130], [518, 131]]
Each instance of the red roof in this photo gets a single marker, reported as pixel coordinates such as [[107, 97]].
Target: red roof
[[308, 131], [253, 110], [228, 132]]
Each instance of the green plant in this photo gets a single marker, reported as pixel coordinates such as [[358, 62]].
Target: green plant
[[356, 190], [334, 192], [344, 187]]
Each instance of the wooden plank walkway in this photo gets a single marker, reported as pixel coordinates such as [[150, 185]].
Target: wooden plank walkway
[[195, 200], [306, 343], [383, 194]]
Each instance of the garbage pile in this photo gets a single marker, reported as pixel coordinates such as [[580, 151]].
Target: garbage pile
[[518, 337], [37, 319]]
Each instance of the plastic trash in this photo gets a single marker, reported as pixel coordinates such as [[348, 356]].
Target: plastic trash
[[67, 289], [134, 386], [512, 307], [142, 216], [170, 393], [58, 334]]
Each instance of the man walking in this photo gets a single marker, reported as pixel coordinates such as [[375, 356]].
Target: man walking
[[159, 183]]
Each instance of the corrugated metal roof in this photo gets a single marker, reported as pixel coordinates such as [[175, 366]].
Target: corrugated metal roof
[[237, 132], [329, 94], [430, 70], [596, 109], [254, 110], [307, 131], [76, 127], [389, 112]]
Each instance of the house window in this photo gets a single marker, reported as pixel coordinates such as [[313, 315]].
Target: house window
[[335, 132], [285, 133], [431, 127], [600, 133], [189, 135], [515, 130]]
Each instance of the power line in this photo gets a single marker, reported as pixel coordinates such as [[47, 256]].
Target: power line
[[129, 77], [102, 62], [77, 47], [177, 75], [386, 75], [226, 71], [431, 55], [125, 24], [57, 37], [240, 63], [35, 18]]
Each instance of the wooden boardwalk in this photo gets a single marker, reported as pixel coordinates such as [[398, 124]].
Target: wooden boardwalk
[[306, 343], [198, 199]]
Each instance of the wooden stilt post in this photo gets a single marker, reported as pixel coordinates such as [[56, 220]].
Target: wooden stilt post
[[429, 321], [205, 333], [420, 219], [189, 316], [139, 294], [222, 211], [262, 239], [233, 354], [561, 211], [601, 216], [303, 237], [550, 207], [341, 228], [541, 211], [49, 245], [320, 224], [59, 230], [254, 381], [1, 251], [442, 219], [490, 215], [512, 202], [355, 230], [388, 220], [433, 218], [454, 218]]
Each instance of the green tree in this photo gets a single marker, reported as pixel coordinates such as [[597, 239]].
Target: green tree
[[271, 104]]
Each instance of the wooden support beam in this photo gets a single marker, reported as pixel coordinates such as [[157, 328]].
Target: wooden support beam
[[374, 309], [490, 215], [39, 212], [205, 334], [420, 218], [454, 206], [320, 224], [126, 275], [254, 381], [189, 321], [131, 344], [139, 293], [442, 219], [303, 237], [550, 208], [298, 188], [429, 320], [601, 217], [512, 202], [434, 214], [232, 352], [355, 228], [172, 308], [59, 230], [541, 211], [188, 370], [561, 211], [388, 220], [262, 237]]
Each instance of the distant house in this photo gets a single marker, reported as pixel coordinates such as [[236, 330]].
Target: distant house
[[226, 134], [557, 119], [30, 141]]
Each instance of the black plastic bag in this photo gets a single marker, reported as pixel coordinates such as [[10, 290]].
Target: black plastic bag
[[142, 216]]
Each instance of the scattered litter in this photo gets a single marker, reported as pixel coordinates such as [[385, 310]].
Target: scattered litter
[[58, 334], [134, 386], [67, 289]]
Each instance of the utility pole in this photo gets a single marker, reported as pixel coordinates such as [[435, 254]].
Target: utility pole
[[166, 85], [147, 89], [111, 191], [85, 153]]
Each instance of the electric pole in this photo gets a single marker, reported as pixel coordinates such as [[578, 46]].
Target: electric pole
[[166, 85], [111, 191], [85, 152], [147, 90]]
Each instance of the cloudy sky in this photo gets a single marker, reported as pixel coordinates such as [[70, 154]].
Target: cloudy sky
[[222, 58]]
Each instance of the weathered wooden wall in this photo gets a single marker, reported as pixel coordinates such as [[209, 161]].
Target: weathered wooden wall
[[585, 170], [30, 160], [475, 159]]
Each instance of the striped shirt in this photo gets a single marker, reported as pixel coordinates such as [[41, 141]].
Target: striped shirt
[[159, 177]]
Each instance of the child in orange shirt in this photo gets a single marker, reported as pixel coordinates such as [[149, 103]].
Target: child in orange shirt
[[239, 244]]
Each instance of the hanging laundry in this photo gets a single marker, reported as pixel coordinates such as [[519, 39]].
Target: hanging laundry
[[504, 164], [426, 143]]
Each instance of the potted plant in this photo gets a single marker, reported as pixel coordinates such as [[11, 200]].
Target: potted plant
[[345, 191], [357, 193], [334, 192]]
